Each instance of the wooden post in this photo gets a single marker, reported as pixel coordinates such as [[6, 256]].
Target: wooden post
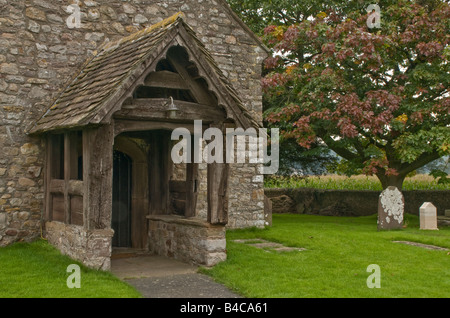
[[139, 204], [191, 187], [218, 193], [73, 156], [154, 176], [67, 170], [159, 172], [87, 136], [48, 178], [217, 184], [97, 176], [166, 171]]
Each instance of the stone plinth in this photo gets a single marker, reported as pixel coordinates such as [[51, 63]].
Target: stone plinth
[[187, 239], [428, 217], [390, 209], [91, 247]]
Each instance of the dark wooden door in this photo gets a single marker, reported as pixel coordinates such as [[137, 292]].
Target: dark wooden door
[[121, 214]]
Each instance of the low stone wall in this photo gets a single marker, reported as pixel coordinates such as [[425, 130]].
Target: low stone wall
[[348, 202], [189, 240], [92, 248]]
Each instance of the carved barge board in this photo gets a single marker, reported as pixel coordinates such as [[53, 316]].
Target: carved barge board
[[156, 109]]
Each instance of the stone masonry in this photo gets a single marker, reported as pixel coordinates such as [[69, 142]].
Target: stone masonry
[[192, 241], [38, 56], [93, 248]]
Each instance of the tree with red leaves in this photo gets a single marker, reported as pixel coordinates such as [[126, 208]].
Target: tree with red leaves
[[378, 97]]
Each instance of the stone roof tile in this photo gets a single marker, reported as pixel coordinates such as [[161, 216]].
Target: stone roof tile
[[103, 75]]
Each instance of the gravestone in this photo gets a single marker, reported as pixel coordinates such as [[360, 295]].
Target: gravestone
[[428, 216], [390, 209], [267, 211]]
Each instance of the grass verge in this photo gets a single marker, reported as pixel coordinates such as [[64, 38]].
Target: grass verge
[[38, 270], [339, 250]]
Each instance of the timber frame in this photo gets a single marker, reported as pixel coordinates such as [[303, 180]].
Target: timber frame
[[119, 102]]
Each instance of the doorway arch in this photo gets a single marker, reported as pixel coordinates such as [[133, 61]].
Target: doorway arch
[[138, 184], [121, 204]]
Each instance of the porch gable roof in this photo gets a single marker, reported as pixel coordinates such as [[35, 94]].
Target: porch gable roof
[[104, 79]]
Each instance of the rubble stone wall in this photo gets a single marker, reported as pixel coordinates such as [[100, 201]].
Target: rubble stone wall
[[349, 202], [92, 248], [189, 240]]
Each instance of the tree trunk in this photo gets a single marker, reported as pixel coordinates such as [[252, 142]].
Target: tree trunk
[[395, 181]]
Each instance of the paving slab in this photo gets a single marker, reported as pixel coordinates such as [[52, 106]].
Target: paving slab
[[146, 266], [266, 245], [181, 286], [160, 277], [429, 247], [289, 249], [269, 246]]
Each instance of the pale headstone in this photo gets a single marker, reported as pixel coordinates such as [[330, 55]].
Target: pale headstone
[[390, 209], [428, 217]]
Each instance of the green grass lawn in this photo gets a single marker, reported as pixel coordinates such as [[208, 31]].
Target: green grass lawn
[[339, 250], [38, 270]]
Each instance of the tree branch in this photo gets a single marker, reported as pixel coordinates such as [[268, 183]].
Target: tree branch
[[419, 162], [343, 152], [371, 140]]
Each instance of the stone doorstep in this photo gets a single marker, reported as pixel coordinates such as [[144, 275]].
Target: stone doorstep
[[268, 246], [123, 252], [429, 247]]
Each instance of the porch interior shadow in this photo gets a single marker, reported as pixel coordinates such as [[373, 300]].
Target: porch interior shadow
[[121, 212]]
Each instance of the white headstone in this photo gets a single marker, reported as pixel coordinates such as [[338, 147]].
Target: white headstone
[[428, 216], [390, 209]]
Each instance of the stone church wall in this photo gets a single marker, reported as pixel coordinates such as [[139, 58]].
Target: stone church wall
[[39, 54]]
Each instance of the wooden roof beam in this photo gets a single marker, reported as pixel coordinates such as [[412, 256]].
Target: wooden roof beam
[[156, 108], [198, 91], [166, 79]]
